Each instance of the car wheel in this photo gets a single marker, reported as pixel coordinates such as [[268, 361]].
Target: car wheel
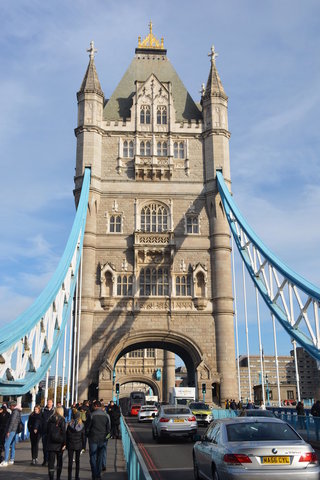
[[195, 469], [215, 475]]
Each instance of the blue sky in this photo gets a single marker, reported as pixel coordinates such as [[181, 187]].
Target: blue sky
[[269, 64]]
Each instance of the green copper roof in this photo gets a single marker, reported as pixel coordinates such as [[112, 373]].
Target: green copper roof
[[141, 67]]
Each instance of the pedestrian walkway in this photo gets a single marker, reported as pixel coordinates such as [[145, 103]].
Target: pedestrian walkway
[[23, 470]]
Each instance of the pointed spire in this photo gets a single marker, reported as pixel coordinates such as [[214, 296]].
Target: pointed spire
[[90, 82], [214, 85]]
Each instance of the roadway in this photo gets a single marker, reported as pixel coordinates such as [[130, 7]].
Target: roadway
[[169, 460], [172, 458]]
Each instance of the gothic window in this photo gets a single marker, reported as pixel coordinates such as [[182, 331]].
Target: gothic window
[[162, 115], [115, 224], [145, 148], [154, 218], [137, 353], [145, 114], [128, 149], [183, 285], [162, 149], [124, 285], [150, 352], [154, 282], [192, 224], [178, 150]]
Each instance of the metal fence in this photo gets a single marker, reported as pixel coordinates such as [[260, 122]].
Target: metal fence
[[307, 426], [136, 467]]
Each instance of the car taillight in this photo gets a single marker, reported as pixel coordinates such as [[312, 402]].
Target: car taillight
[[236, 458], [309, 457], [192, 419], [162, 419]]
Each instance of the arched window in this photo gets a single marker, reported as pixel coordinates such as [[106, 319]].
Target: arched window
[[125, 148], [115, 224], [162, 149], [145, 114], [131, 149], [145, 148], [183, 285], [192, 224], [178, 150], [124, 285], [154, 282], [128, 149], [154, 218], [161, 115]]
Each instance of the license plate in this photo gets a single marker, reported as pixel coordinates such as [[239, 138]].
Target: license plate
[[277, 460], [178, 420]]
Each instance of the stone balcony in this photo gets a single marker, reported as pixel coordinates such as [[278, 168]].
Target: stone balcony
[[153, 167]]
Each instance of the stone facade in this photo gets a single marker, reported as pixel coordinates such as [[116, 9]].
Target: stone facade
[[156, 260]]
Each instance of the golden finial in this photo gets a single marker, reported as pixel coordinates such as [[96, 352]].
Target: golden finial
[[150, 41]]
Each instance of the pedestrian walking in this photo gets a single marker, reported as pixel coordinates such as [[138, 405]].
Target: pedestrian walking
[[98, 431], [11, 435], [4, 420], [56, 441], [315, 412], [34, 427], [47, 412], [75, 442], [114, 413], [301, 414]]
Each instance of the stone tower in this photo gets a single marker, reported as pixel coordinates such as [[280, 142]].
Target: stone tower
[[156, 261]]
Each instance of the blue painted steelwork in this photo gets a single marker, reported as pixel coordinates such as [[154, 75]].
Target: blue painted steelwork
[[136, 467], [12, 333], [236, 221]]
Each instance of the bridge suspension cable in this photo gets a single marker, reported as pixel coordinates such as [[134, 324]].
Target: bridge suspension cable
[[291, 299], [29, 344]]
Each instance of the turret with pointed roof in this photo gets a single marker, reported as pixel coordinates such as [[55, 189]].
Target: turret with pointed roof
[[90, 106], [90, 82]]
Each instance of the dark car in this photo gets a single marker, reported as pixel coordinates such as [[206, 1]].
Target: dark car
[[250, 412]]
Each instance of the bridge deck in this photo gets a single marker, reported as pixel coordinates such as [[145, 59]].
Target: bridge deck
[[23, 470]]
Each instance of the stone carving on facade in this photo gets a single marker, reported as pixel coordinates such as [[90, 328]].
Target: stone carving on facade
[[200, 279], [107, 285], [204, 371], [105, 372]]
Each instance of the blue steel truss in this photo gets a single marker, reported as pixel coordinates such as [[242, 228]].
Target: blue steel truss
[[292, 300], [29, 343]]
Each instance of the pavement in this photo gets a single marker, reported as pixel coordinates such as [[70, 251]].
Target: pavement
[[23, 470]]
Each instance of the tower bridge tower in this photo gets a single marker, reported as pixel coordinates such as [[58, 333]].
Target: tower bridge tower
[[156, 261]]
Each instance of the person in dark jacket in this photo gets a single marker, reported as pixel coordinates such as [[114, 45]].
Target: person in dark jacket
[[56, 441], [11, 435], [34, 427], [75, 442], [98, 431], [46, 414], [114, 413], [4, 420], [315, 412]]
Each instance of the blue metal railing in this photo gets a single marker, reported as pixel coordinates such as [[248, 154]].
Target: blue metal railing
[[136, 467]]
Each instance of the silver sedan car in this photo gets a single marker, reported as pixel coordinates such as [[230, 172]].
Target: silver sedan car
[[251, 448], [146, 411], [174, 420]]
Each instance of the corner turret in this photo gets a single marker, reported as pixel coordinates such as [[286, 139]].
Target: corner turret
[[90, 108]]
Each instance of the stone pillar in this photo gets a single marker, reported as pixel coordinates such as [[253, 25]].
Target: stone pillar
[[169, 374], [223, 304]]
